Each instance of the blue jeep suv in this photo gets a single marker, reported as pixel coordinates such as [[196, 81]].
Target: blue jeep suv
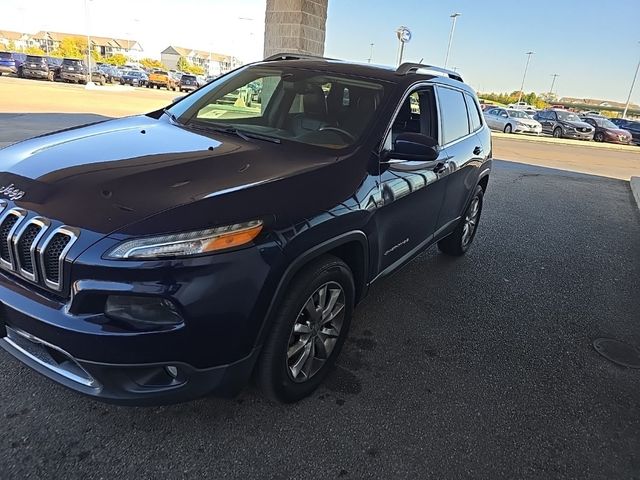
[[161, 257]]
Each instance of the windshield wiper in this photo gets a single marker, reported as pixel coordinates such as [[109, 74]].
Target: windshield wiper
[[245, 135]]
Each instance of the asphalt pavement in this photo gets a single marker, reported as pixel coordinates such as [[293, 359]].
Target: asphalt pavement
[[477, 367]]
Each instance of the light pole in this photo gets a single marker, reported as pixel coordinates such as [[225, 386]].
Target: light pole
[[86, 13], [404, 36], [553, 82], [633, 84], [526, 67], [454, 18], [370, 53]]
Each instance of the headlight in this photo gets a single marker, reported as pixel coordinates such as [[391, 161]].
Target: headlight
[[190, 243]]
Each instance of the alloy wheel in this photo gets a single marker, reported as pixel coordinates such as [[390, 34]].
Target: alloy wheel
[[470, 221], [315, 331]]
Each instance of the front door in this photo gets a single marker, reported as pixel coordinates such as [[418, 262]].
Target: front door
[[412, 191]]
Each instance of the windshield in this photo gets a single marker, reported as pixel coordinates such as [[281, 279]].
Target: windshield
[[568, 116], [35, 59], [188, 77], [5, 55], [605, 123], [517, 114], [311, 107]]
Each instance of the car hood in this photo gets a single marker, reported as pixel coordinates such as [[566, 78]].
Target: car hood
[[112, 174], [576, 124]]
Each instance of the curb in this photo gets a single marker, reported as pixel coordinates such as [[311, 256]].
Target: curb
[[635, 189], [565, 141]]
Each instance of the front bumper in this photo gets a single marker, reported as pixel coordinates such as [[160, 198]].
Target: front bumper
[[7, 69], [526, 129], [578, 135], [222, 299]]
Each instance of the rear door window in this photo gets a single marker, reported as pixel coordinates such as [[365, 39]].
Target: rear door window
[[453, 110], [474, 115]]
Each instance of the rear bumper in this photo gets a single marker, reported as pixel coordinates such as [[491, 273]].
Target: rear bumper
[[27, 72], [73, 77], [188, 88]]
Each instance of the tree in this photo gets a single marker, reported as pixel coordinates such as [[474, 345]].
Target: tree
[[195, 69], [11, 46], [70, 48], [183, 65], [150, 63], [117, 59], [34, 51]]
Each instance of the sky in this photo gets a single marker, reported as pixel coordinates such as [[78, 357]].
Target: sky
[[592, 45]]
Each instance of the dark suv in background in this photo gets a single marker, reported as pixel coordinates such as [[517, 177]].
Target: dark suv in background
[[36, 66], [73, 70], [188, 83], [564, 124], [160, 257]]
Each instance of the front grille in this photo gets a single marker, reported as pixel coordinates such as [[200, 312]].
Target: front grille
[[52, 257], [32, 250], [24, 247], [5, 228]]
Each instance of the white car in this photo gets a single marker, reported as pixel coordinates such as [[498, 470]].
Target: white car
[[509, 120], [521, 106]]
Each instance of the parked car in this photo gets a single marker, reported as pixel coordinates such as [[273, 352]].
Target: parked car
[[7, 63], [135, 78], [521, 106], [156, 291], [162, 78], [73, 70], [36, 66], [632, 126], [111, 73], [54, 64], [509, 120], [98, 76], [562, 123], [188, 83], [607, 131]]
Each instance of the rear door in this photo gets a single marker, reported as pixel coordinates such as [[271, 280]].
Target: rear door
[[461, 124]]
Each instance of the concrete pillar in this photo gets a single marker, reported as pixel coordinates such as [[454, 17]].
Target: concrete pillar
[[295, 26]]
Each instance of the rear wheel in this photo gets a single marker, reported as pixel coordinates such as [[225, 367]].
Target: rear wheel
[[460, 240], [508, 128], [308, 331], [557, 132]]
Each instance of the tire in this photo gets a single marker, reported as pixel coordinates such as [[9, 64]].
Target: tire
[[508, 128], [459, 241], [275, 369], [557, 132], [598, 137]]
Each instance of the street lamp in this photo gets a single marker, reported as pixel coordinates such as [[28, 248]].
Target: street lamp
[[525, 74], [86, 13], [404, 36], [633, 84], [553, 82], [454, 18], [370, 53]]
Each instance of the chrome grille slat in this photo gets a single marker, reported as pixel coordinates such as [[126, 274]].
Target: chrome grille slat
[[25, 244]]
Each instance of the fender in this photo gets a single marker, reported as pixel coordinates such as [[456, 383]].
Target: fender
[[303, 259]]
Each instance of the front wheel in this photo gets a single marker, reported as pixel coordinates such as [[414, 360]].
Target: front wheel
[[309, 329], [599, 137], [460, 240]]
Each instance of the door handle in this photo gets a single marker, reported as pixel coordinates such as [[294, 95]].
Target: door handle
[[440, 167], [477, 150]]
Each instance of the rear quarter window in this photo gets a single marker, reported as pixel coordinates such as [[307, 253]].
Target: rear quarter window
[[475, 120]]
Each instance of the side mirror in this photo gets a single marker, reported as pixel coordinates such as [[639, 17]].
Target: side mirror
[[415, 147]]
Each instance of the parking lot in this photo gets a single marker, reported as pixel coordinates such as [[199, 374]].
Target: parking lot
[[478, 367]]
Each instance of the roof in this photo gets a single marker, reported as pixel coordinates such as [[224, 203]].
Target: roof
[[190, 52], [96, 40], [9, 35]]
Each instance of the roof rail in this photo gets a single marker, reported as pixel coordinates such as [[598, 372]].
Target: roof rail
[[406, 68], [293, 56]]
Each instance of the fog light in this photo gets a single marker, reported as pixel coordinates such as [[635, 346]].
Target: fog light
[[172, 371], [150, 311]]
